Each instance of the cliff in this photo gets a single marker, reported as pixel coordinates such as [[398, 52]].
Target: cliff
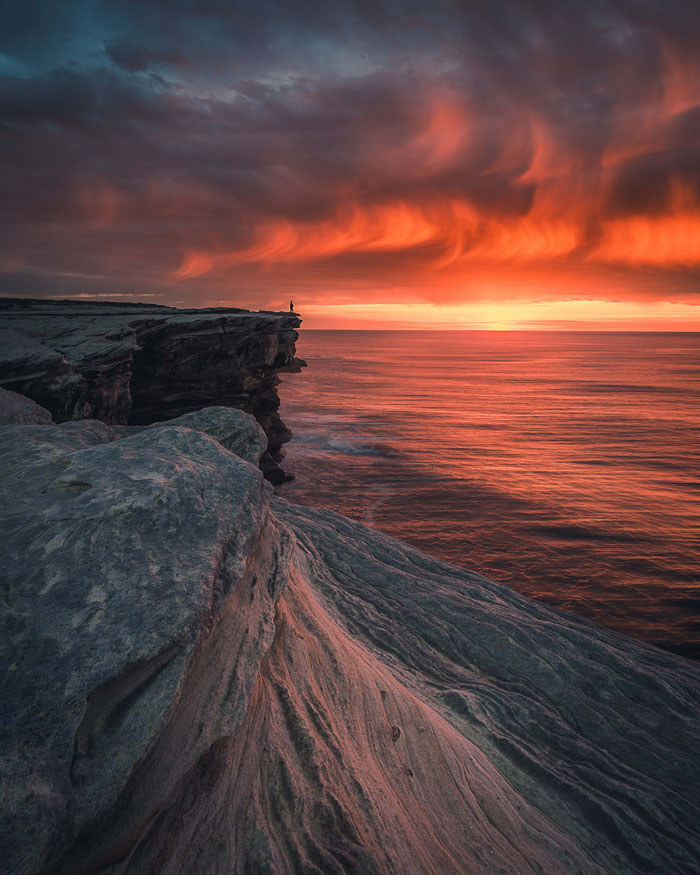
[[140, 363], [200, 677]]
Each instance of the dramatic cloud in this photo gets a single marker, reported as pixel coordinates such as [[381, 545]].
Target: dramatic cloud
[[352, 152]]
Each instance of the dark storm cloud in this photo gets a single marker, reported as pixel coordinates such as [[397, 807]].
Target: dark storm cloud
[[133, 131], [137, 59]]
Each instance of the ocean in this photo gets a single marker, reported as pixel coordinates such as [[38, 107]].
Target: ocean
[[565, 465]]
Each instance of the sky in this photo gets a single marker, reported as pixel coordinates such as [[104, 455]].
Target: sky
[[455, 164]]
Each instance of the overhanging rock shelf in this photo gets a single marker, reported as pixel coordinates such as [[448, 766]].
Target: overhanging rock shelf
[[142, 363]]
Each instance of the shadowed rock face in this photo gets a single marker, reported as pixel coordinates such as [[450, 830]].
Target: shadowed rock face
[[140, 364], [203, 678]]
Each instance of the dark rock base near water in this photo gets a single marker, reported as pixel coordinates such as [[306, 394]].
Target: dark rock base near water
[[142, 363], [199, 677]]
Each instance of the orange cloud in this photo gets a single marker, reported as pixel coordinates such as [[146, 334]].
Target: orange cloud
[[193, 264], [668, 240], [445, 136], [455, 230]]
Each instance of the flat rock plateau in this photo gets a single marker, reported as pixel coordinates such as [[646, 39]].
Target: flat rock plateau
[[141, 363], [199, 677]]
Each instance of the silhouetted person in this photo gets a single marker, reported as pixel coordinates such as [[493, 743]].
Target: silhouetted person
[[291, 306]]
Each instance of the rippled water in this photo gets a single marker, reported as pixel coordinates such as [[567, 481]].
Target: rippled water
[[563, 464]]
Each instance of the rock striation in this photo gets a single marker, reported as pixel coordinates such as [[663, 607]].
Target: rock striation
[[141, 363], [201, 677]]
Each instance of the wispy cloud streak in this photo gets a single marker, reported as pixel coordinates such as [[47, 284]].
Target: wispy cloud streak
[[194, 148]]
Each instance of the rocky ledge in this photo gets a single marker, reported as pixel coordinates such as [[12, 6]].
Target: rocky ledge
[[198, 677], [141, 363]]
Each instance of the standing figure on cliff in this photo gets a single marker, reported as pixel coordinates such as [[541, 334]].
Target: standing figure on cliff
[[291, 306]]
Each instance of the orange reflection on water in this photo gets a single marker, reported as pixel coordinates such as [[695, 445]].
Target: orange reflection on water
[[560, 464]]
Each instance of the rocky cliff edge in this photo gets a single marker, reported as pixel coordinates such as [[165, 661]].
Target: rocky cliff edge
[[141, 363]]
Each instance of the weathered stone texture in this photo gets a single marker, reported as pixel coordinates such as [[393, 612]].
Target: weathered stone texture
[[198, 677], [139, 364], [16, 409]]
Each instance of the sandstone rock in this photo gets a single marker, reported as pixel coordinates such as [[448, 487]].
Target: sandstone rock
[[196, 680], [88, 432], [295, 366], [233, 429], [17, 409], [123, 569], [30, 368], [74, 364], [596, 732], [139, 364]]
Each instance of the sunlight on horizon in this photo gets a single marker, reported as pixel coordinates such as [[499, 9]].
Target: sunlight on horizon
[[564, 315]]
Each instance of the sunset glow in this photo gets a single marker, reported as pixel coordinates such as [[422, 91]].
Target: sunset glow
[[543, 170], [560, 315], [349, 382], [667, 240]]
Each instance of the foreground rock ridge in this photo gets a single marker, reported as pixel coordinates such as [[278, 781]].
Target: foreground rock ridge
[[202, 678], [141, 363]]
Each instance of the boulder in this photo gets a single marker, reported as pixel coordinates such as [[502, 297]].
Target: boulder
[[16, 409], [239, 432], [121, 561]]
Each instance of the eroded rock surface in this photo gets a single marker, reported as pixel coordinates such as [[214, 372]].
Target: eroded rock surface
[[239, 432], [17, 409], [202, 678], [140, 363], [122, 562]]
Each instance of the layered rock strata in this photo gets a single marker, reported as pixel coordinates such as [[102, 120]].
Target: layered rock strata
[[136, 363], [200, 677]]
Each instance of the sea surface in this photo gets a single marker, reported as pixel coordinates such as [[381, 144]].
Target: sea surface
[[566, 465]]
